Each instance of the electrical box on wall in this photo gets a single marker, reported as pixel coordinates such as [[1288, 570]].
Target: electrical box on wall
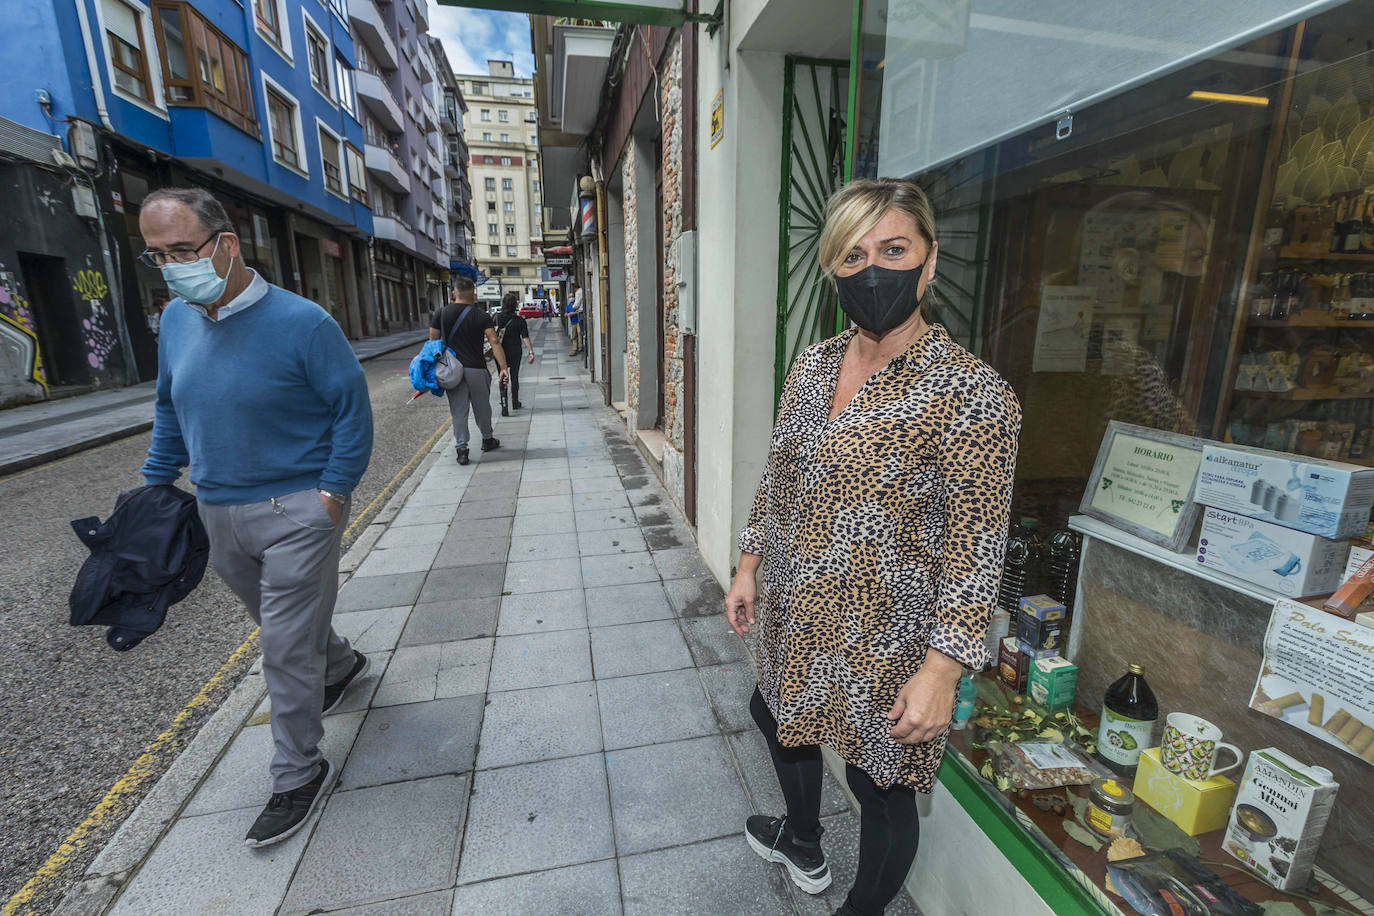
[[685, 278], [83, 202], [81, 140]]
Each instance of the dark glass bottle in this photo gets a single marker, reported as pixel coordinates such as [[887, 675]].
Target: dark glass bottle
[[1129, 711]]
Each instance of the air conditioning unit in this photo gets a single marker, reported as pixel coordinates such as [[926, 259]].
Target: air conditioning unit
[[81, 139]]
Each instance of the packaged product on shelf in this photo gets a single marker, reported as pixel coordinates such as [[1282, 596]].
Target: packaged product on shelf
[[1320, 497], [1151, 885], [1281, 810], [1360, 550], [1053, 683], [1013, 665], [1043, 764], [1354, 591], [1040, 625], [1292, 563]]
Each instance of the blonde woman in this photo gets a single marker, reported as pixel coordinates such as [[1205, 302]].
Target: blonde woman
[[880, 525]]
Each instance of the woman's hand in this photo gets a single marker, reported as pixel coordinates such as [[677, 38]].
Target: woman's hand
[[924, 707], [744, 592]]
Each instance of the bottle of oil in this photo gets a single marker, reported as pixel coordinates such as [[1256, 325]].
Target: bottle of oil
[[1129, 711]]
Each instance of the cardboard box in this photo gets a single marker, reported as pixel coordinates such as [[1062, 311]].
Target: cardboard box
[[1195, 806], [1292, 563], [1053, 683], [1042, 607], [1281, 810], [1326, 498], [1012, 664], [1040, 626], [1034, 654], [1365, 619], [1359, 552]]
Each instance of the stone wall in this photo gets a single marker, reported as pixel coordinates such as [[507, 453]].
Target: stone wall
[[674, 402], [627, 178]]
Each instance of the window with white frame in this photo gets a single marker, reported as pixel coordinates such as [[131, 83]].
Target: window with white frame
[[268, 16], [486, 135], [332, 157], [283, 116], [507, 184], [509, 206], [357, 173], [503, 116], [128, 49], [534, 140], [505, 160], [510, 251], [534, 188], [496, 251], [317, 51], [343, 79], [492, 229], [479, 88], [510, 230], [505, 137], [486, 114], [490, 184]]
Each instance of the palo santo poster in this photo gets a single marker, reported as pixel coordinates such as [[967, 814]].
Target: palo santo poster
[[1318, 675]]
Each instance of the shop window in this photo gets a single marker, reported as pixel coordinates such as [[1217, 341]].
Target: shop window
[[507, 184], [490, 184], [317, 52], [331, 159], [343, 81], [128, 53], [282, 116], [202, 67], [357, 174]]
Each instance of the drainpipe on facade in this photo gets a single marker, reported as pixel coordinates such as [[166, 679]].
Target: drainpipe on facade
[[96, 84], [603, 278]]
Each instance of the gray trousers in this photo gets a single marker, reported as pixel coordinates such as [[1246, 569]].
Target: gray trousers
[[475, 389], [281, 557]]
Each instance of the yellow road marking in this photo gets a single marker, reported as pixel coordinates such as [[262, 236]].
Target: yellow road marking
[[145, 767]]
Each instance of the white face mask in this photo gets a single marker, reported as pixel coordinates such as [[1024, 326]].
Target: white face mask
[[196, 281]]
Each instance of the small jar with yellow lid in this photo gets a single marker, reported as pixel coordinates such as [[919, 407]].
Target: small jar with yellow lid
[[1109, 807]]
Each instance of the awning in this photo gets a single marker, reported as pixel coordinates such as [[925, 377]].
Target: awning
[[646, 12], [960, 75]]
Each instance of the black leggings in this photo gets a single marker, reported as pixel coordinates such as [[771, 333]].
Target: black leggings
[[513, 369], [888, 825]]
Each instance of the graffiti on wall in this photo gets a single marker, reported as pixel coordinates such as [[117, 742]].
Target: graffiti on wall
[[21, 364], [100, 341]]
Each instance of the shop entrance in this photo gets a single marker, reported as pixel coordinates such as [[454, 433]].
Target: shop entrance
[[814, 98], [57, 324]]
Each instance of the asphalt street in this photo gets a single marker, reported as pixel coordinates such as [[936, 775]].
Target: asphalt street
[[74, 714]]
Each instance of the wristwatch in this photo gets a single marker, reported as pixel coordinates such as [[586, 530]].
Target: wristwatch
[[330, 494]]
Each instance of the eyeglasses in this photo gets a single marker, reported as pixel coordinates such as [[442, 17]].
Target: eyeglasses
[[176, 255]]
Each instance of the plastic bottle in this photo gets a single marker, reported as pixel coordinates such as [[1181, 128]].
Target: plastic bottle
[[1065, 548], [963, 707], [1022, 568], [1129, 711]]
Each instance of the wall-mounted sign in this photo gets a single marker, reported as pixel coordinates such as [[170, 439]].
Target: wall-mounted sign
[[717, 118], [1143, 483], [557, 262], [332, 248]]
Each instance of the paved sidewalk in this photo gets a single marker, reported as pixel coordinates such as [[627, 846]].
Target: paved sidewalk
[[35, 433], [556, 720]]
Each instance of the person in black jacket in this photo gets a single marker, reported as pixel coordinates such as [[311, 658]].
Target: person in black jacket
[[512, 329]]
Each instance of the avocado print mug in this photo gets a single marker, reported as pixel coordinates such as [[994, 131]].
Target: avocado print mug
[[1190, 747]]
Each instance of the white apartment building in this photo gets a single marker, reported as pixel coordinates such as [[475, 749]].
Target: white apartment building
[[502, 127]]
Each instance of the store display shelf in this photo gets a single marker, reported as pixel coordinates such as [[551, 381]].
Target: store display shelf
[[1307, 394], [1309, 321]]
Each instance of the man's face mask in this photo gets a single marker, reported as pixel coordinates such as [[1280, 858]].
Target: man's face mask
[[196, 281], [879, 299]]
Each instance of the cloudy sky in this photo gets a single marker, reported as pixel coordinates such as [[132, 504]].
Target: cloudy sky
[[472, 36]]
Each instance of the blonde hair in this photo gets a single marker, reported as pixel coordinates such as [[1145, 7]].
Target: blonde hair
[[859, 206]]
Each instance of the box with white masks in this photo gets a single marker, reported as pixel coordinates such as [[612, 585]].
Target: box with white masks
[[1292, 563], [1326, 498]]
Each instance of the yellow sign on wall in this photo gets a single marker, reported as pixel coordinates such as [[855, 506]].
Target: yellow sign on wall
[[717, 118]]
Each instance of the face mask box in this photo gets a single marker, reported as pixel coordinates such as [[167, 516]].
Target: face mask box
[[1290, 562], [1281, 810], [1325, 498]]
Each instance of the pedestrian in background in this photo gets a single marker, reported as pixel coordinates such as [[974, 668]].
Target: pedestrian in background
[[880, 524], [260, 394], [463, 327], [512, 329], [575, 318]]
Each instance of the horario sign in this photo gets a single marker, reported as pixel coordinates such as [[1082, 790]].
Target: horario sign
[[646, 12]]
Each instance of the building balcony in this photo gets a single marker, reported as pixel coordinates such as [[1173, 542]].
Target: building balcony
[[392, 229], [386, 168], [378, 98], [367, 19], [451, 167], [436, 165], [430, 113]]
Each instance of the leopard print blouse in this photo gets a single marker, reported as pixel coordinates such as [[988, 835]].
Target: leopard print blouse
[[882, 533]]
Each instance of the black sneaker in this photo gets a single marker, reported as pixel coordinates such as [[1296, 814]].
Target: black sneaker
[[517, 406], [286, 812], [491, 444], [805, 863], [462, 456], [334, 693], [505, 411]]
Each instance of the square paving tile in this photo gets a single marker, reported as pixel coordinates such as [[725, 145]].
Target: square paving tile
[[436, 904], [671, 794], [762, 781], [702, 597], [455, 582], [372, 631], [422, 514], [543, 547], [667, 537], [542, 723], [394, 560], [585, 502], [680, 563], [412, 536], [618, 569], [541, 612], [240, 779], [475, 509], [448, 621], [718, 876], [592, 889], [410, 742], [478, 528], [604, 484], [653, 708], [461, 550], [635, 603], [713, 641], [543, 575], [842, 854], [559, 487], [202, 866], [543, 505], [372, 592], [611, 540], [557, 523], [417, 674], [537, 474], [380, 843], [603, 519], [438, 493], [638, 648], [648, 496], [540, 660], [730, 687], [537, 816]]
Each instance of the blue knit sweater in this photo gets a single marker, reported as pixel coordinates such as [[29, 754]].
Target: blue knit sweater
[[267, 401]]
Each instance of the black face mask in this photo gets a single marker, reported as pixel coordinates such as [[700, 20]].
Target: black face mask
[[879, 299]]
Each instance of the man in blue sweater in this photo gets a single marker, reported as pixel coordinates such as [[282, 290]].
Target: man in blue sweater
[[260, 394]]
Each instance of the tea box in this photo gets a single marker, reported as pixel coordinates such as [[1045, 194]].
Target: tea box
[[1053, 683], [1040, 626], [1012, 664], [1281, 809]]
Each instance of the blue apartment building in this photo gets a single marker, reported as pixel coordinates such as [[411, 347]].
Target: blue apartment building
[[256, 100]]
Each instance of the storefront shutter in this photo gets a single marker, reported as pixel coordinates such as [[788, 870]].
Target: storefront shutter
[[959, 75]]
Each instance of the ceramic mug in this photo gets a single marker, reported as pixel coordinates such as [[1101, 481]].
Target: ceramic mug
[[1190, 747]]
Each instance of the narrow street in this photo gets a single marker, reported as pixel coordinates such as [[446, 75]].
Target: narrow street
[[74, 714]]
